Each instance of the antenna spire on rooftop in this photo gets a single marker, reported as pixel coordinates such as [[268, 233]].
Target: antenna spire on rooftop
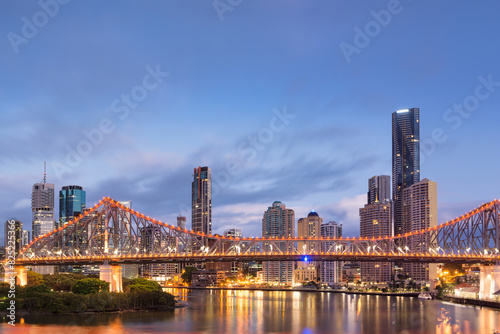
[[44, 172]]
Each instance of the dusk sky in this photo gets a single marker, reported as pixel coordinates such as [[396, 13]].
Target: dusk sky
[[284, 100]]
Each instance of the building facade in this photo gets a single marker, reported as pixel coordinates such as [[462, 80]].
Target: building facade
[[420, 212], [13, 233], [201, 200], [308, 227], [405, 159], [42, 209], [330, 271], [278, 221], [181, 222], [379, 189], [376, 221], [72, 201], [233, 233]]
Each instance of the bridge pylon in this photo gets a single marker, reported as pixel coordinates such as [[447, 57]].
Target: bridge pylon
[[21, 273], [112, 275]]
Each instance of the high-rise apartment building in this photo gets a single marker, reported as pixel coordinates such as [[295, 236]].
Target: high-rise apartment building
[[405, 159], [330, 271], [420, 212], [375, 221], [308, 227], [201, 200], [379, 188], [181, 222], [42, 208], [26, 237], [13, 233], [72, 201], [278, 221]]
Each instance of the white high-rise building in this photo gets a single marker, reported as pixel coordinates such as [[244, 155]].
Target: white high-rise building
[[419, 213], [278, 221], [42, 208], [330, 271]]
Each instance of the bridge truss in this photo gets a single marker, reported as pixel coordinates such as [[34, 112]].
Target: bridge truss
[[112, 233]]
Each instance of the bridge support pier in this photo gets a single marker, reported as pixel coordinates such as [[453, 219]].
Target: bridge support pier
[[489, 281], [112, 275], [21, 273]]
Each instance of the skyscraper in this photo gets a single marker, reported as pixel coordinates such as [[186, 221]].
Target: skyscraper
[[309, 227], [15, 227], [181, 222], [26, 237], [379, 188], [278, 221], [42, 208], [330, 271], [405, 159], [375, 221], [419, 213], [71, 203], [201, 200]]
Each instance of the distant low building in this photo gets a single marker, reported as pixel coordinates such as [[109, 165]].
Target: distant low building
[[204, 278]]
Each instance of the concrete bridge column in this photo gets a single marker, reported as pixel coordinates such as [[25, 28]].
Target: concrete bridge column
[[112, 275], [489, 282], [21, 273]]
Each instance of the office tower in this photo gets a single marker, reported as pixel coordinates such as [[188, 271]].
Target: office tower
[[42, 208], [202, 200], [26, 237], [278, 221], [233, 233], [405, 159], [419, 213], [375, 221], [15, 227], [379, 188], [181, 222], [330, 271], [71, 203]]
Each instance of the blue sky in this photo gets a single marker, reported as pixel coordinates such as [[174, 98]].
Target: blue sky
[[166, 86]]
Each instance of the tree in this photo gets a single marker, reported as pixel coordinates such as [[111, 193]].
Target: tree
[[90, 285], [187, 275], [34, 278], [141, 284]]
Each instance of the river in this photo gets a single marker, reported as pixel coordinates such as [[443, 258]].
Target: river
[[223, 311]]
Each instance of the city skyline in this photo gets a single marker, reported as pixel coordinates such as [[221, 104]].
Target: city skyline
[[305, 125]]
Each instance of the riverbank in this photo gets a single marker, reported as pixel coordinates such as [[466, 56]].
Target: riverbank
[[374, 293], [472, 302]]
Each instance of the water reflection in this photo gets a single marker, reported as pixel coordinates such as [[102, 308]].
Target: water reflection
[[220, 311]]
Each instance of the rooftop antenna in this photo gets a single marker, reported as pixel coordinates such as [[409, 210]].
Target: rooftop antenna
[[44, 172]]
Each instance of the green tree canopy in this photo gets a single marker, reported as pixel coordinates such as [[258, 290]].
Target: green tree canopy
[[142, 284], [90, 285], [187, 275], [34, 278]]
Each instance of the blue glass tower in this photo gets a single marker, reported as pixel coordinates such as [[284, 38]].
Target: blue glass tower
[[405, 159], [72, 200]]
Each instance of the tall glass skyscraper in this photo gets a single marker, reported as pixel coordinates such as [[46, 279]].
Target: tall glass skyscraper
[[71, 203], [405, 159], [201, 200]]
